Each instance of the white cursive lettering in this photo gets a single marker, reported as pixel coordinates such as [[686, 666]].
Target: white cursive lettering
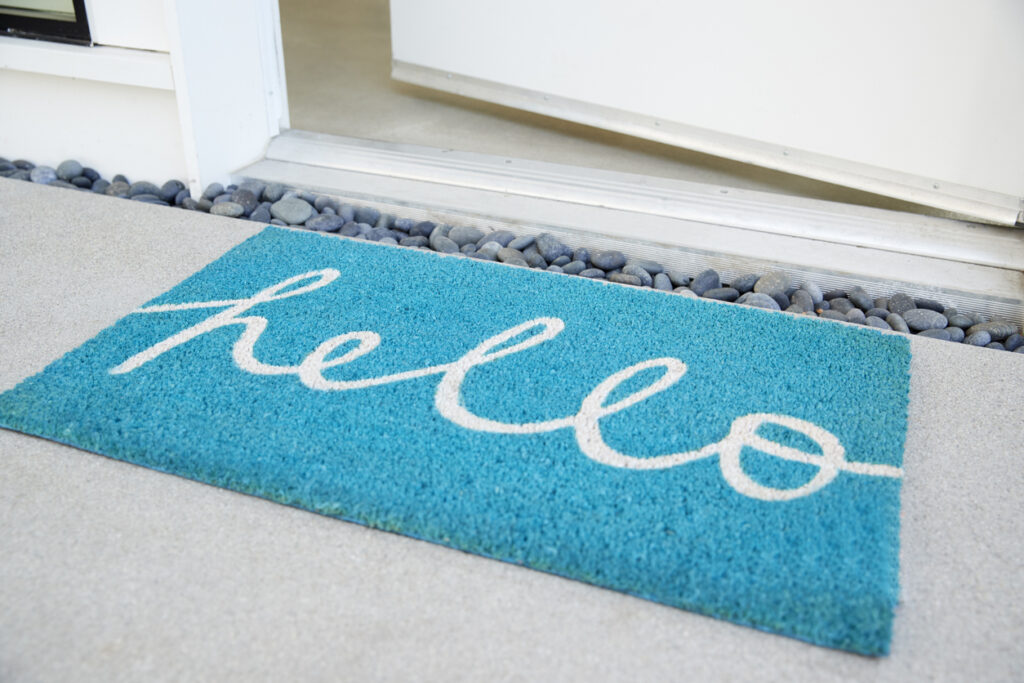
[[448, 397]]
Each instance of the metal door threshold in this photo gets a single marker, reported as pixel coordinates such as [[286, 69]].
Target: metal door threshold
[[686, 226]]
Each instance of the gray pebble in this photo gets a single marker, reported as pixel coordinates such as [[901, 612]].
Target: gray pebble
[[803, 299], [625, 279], [212, 190], [378, 234], [661, 281], [69, 169], [292, 210], [260, 215], [145, 197], [833, 315], [759, 300], [521, 243], [467, 248], [1013, 342], [561, 260], [875, 321], [636, 271], [465, 234], [920, 319], [143, 187], [367, 214], [882, 302], [424, 228], [835, 294], [550, 247], [554, 269], [533, 257], [591, 273], [322, 202], [517, 262], [817, 296], [878, 312], [960, 320], [955, 334], [998, 329], [273, 192], [180, 197], [415, 241], [203, 204], [859, 298], [900, 303], [651, 267], [929, 304], [979, 338], [119, 178], [490, 249], [502, 237], [21, 174], [841, 304], [897, 323], [706, 280], [781, 299], [170, 190], [100, 186], [351, 229], [775, 282], [581, 254], [677, 278], [192, 205], [441, 243], [722, 294], [43, 175], [608, 260], [325, 222], [257, 187], [229, 209], [278, 222], [506, 254], [995, 345], [246, 199], [574, 267], [403, 224], [226, 197], [822, 305], [745, 283], [856, 316], [934, 333], [686, 292], [348, 212]]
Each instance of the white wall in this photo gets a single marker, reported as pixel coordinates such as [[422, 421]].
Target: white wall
[[128, 23], [73, 118], [185, 89]]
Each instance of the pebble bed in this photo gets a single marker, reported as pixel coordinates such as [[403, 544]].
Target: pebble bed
[[276, 204]]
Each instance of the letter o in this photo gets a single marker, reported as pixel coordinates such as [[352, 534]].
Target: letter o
[[744, 433]]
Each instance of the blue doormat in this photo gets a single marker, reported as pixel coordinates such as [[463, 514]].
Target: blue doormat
[[727, 460]]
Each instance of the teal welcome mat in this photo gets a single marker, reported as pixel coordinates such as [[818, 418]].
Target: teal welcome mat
[[726, 460]]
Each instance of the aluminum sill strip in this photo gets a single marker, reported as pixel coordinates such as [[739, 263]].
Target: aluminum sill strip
[[688, 226]]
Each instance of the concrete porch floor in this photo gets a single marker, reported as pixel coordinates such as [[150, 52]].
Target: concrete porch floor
[[115, 572]]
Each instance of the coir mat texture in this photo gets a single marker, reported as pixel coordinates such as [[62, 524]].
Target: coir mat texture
[[726, 460]]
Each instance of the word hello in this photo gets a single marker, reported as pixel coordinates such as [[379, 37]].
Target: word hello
[[448, 397]]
